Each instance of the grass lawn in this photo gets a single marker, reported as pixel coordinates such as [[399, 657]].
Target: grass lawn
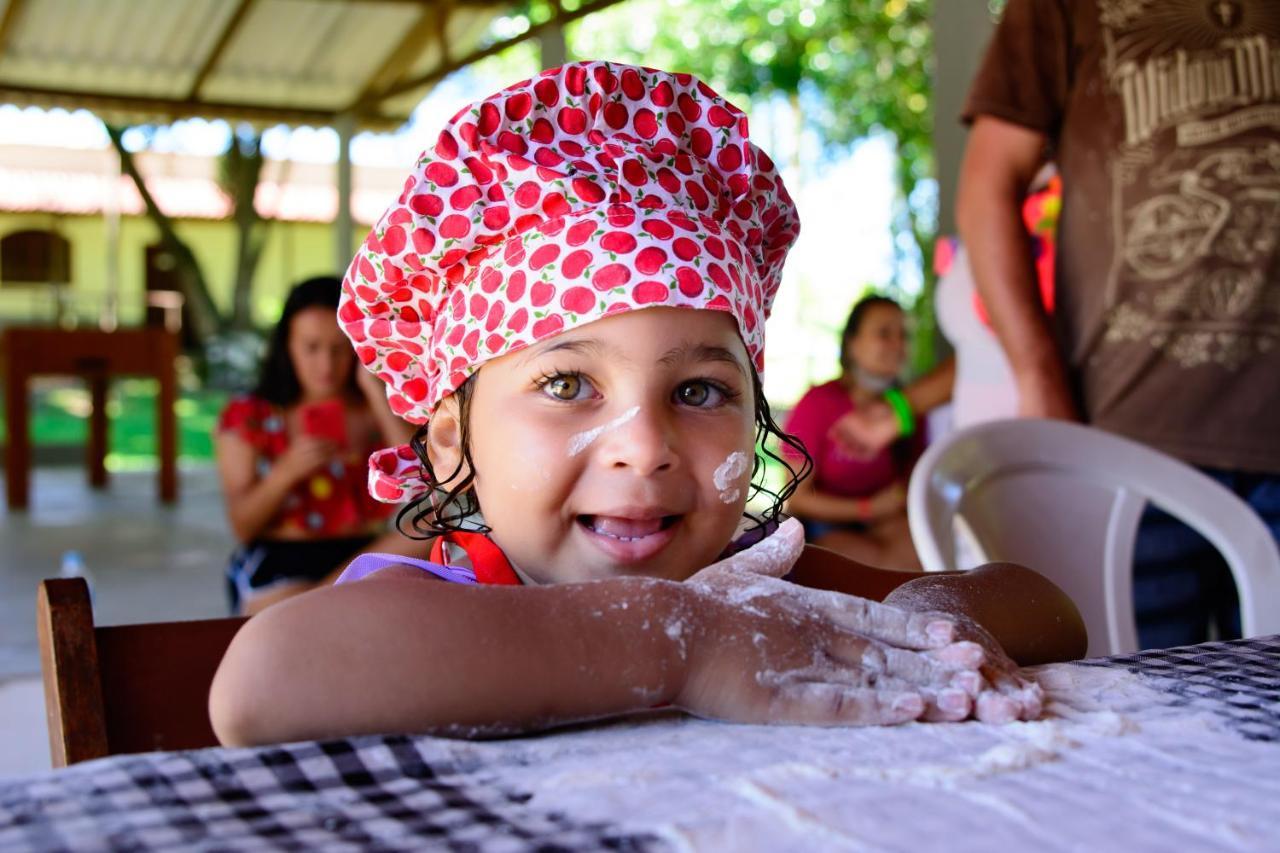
[[60, 411]]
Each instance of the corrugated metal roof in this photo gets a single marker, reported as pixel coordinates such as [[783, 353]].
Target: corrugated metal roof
[[267, 61]]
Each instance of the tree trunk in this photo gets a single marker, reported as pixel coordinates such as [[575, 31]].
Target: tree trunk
[[206, 321], [240, 174]]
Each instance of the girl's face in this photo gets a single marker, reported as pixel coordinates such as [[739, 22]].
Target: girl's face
[[623, 447], [322, 356], [880, 346]]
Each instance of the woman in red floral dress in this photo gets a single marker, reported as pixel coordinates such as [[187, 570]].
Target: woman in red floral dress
[[292, 456]]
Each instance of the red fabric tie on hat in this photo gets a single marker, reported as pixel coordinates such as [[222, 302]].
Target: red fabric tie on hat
[[490, 565]]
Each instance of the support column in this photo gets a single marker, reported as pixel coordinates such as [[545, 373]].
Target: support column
[[551, 44], [342, 223], [967, 28]]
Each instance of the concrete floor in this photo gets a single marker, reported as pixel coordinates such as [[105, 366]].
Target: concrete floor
[[146, 563]]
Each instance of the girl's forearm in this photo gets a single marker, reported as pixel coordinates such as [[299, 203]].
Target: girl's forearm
[[1034, 620], [450, 659]]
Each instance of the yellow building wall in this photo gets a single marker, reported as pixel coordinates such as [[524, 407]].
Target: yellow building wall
[[294, 251]]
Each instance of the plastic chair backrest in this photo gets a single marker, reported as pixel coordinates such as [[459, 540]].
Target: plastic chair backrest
[[1066, 500]]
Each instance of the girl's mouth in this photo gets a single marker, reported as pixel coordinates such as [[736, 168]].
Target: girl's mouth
[[629, 539]]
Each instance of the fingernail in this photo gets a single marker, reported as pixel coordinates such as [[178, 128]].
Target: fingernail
[[940, 631], [994, 708], [955, 701], [968, 681], [908, 703]]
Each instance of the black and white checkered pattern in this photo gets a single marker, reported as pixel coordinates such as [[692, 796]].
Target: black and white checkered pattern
[[1238, 681], [377, 793], [405, 793]]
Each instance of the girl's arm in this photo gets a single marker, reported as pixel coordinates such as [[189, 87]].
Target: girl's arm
[[252, 502], [810, 503], [1030, 617], [399, 652]]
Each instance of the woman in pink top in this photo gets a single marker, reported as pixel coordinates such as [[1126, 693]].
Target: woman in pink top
[[857, 504]]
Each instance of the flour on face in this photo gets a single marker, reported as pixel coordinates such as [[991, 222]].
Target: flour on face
[[583, 440], [727, 475]]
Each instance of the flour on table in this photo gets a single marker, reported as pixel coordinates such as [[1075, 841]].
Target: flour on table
[[1118, 762]]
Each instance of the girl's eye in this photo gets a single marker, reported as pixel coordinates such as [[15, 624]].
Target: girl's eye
[[699, 394], [566, 386]]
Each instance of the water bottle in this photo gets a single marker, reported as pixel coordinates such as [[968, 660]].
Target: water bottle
[[72, 566]]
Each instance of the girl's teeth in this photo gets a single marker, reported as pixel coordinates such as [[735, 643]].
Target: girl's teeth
[[626, 529]]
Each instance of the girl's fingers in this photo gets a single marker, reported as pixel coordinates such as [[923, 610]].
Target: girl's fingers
[[888, 624], [960, 655], [817, 703], [949, 705], [887, 661], [1009, 698]]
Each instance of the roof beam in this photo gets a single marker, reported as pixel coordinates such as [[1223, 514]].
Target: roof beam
[[11, 13], [173, 108], [219, 47], [430, 21], [447, 68]]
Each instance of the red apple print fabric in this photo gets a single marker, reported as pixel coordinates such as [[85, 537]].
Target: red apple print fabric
[[591, 189]]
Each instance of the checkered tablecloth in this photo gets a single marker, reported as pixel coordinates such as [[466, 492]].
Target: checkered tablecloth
[[414, 793], [1238, 680]]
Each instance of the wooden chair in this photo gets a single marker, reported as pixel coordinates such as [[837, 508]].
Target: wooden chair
[[123, 688]]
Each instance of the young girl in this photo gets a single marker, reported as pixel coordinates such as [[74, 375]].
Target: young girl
[[857, 505], [295, 486], [569, 297]]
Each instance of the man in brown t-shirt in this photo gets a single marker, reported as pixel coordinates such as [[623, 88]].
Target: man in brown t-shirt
[[1164, 119]]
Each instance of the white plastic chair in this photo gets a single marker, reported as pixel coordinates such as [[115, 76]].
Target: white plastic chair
[[1065, 500]]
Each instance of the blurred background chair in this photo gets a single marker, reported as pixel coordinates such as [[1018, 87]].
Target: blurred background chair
[[124, 688], [1066, 500]]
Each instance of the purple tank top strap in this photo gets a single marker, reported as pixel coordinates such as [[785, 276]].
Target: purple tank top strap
[[366, 564]]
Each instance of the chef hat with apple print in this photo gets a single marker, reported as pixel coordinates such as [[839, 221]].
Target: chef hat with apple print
[[591, 189]]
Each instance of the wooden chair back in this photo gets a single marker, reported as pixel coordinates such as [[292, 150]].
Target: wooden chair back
[[124, 688]]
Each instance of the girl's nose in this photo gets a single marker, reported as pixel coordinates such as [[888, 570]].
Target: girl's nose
[[640, 439]]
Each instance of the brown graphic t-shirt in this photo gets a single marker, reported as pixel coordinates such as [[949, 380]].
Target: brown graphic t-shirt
[[1165, 121]]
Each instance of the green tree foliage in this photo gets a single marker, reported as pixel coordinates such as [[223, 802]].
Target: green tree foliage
[[850, 69]]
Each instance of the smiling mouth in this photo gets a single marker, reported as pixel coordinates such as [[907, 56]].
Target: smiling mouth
[[627, 529]]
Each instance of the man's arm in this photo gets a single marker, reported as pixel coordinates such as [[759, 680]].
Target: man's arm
[[1033, 620], [999, 162]]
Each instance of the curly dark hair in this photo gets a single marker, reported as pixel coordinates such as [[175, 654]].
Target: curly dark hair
[[278, 381], [435, 515]]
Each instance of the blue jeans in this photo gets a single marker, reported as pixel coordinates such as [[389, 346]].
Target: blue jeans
[[1181, 584]]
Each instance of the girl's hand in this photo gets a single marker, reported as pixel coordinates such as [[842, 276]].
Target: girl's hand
[[866, 431], [305, 455], [768, 651], [1005, 695]]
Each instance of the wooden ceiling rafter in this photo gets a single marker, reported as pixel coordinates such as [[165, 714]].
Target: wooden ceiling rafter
[[178, 108], [219, 47], [446, 68], [402, 58]]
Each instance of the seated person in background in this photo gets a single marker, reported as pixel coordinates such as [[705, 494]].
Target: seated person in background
[[293, 458], [978, 379], [857, 505]]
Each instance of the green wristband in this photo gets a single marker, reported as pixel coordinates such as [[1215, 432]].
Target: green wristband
[[902, 411]]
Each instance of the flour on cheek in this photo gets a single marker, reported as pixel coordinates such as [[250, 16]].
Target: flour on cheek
[[726, 476], [584, 439]]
